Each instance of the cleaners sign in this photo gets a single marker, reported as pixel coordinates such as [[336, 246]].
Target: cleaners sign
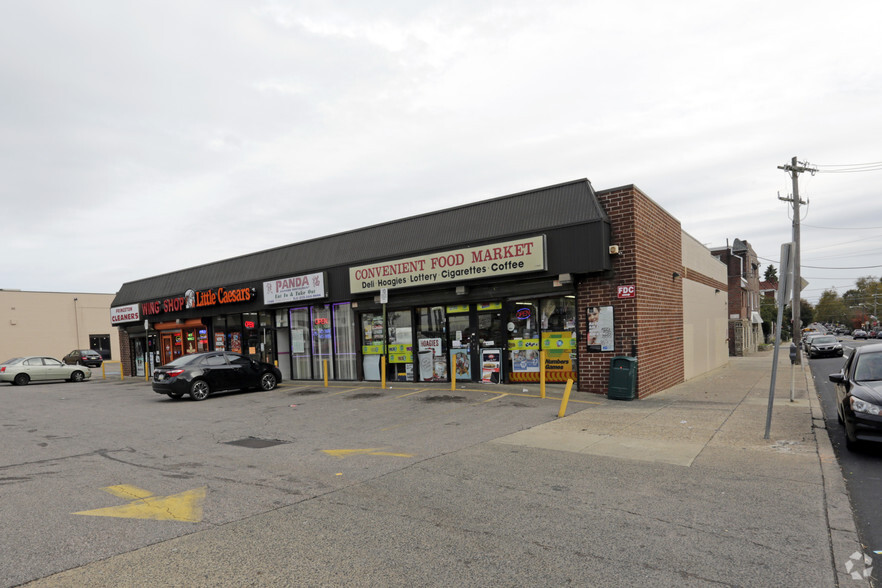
[[124, 314], [486, 261]]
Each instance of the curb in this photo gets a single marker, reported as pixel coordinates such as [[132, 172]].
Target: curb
[[844, 541]]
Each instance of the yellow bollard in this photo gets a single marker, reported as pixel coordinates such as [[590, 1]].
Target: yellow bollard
[[566, 398], [383, 371], [325, 368], [542, 374], [453, 380]]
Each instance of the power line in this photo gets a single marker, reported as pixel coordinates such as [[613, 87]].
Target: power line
[[844, 228], [822, 267], [849, 168]]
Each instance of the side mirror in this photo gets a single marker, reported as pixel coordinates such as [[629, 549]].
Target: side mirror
[[837, 378]]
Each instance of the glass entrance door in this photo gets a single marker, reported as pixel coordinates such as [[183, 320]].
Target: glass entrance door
[[490, 343], [459, 330]]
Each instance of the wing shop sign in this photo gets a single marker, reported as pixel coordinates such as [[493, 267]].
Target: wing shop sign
[[198, 299]]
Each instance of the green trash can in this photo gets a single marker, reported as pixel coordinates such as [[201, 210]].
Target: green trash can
[[622, 378]]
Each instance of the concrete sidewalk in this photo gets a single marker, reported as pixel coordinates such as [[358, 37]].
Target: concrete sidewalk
[[718, 421]]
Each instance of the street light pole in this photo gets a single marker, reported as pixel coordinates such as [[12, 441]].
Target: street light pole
[[77, 322]]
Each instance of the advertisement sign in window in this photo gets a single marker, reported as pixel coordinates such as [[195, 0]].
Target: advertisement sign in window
[[601, 328]]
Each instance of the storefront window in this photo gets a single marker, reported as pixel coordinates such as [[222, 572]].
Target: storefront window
[[220, 330], [322, 342], [251, 336], [432, 344], [524, 341], [559, 338], [234, 333], [344, 342], [301, 353]]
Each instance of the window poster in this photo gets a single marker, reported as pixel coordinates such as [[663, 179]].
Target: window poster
[[525, 360], [236, 342], [461, 364], [601, 328]]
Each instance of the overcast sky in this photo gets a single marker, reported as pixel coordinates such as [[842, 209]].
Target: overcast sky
[[140, 138]]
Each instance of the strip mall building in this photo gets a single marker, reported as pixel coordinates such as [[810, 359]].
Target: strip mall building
[[473, 293]]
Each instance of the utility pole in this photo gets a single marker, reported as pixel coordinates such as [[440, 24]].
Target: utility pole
[[795, 168]]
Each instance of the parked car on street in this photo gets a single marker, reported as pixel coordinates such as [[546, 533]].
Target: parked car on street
[[859, 395], [201, 374], [22, 370], [824, 346], [88, 357], [859, 334], [807, 339]]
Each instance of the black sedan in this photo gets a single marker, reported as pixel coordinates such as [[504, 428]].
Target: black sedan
[[201, 374], [859, 395], [824, 346], [88, 357]]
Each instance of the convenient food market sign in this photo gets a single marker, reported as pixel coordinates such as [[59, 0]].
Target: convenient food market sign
[[197, 299], [486, 261]]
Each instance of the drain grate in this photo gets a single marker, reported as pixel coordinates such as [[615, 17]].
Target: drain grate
[[255, 442]]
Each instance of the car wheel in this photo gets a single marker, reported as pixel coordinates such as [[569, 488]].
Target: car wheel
[[267, 381], [77, 376], [175, 395], [199, 390], [851, 442], [21, 380]]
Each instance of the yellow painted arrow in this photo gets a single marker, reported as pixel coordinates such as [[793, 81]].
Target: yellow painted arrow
[[184, 506], [341, 453]]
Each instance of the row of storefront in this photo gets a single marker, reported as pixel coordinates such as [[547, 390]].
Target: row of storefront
[[427, 299]]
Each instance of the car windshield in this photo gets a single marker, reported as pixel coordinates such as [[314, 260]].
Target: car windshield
[[869, 367], [12, 361], [824, 339]]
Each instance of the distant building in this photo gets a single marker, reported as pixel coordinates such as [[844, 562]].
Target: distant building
[[745, 321], [55, 323], [768, 289]]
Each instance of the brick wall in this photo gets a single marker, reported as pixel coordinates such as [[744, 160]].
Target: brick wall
[[651, 323], [125, 352]]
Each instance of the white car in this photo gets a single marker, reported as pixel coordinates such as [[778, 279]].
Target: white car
[[22, 370]]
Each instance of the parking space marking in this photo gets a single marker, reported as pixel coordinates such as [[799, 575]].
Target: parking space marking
[[184, 507], [344, 453]]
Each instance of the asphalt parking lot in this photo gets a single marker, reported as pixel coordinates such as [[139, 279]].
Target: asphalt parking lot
[[105, 467]]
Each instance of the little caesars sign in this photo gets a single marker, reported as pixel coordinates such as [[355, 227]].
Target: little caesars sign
[[486, 261]]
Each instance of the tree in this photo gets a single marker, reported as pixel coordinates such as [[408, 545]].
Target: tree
[[769, 312], [831, 308], [771, 274], [806, 313]]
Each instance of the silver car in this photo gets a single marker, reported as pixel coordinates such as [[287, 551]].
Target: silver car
[[22, 370]]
